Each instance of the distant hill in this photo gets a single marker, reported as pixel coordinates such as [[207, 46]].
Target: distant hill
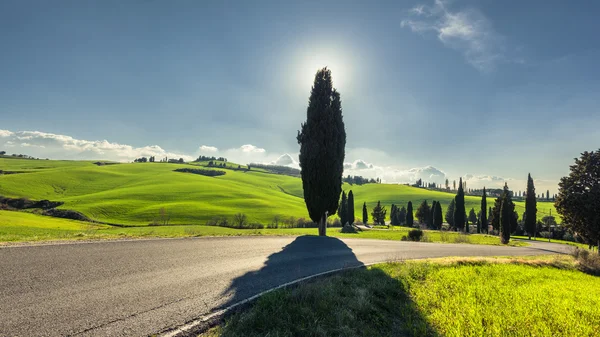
[[135, 193]]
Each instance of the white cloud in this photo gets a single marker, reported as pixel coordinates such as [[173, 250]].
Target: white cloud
[[207, 149], [285, 160], [249, 148], [5, 133], [467, 30], [49, 145]]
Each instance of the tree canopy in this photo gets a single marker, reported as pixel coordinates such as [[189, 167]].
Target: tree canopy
[[322, 140], [578, 200]]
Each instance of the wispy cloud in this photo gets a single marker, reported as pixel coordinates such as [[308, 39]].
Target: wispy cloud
[[466, 30]]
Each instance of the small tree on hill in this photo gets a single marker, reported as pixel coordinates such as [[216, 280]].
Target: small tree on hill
[[378, 214], [459, 207], [450, 214], [350, 207], [365, 215], [409, 214]]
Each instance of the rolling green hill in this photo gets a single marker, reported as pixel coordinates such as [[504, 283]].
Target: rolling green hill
[[135, 193]]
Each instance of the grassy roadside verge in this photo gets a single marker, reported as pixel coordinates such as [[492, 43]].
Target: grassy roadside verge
[[537, 296], [574, 244], [22, 226]]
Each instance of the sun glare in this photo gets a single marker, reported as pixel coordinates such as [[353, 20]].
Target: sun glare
[[310, 61]]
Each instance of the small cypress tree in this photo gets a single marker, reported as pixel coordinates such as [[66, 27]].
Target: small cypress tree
[[450, 214], [394, 215], [343, 211], [473, 219], [365, 216], [505, 218], [430, 222], [423, 212], [378, 214], [483, 220], [350, 207], [409, 215], [402, 215], [459, 207], [437, 216]]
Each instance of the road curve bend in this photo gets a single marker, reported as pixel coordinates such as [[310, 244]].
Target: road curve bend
[[138, 288]]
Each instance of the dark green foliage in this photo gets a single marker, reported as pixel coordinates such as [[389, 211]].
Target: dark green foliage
[[530, 208], [394, 212], [430, 220], [401, 215], [495, 214], [208, 173], [350, 207], [322, 142], [437, 216], [423, 212], [415, 235], [472, 219], [459, 207], [483, 221], [343, 211], [507, 210], [450, 214], [472, 216], [378, 214], [409, 214], [578, 200], [365, 217]]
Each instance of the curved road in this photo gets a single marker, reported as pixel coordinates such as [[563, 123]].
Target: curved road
[[134, 288]]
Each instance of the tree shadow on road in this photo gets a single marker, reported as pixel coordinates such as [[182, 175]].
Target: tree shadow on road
[[357, 302]]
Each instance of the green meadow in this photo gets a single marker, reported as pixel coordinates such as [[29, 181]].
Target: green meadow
[[530, 296], [25, 226], [133, 194]]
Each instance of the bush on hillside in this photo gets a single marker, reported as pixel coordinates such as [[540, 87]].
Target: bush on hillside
[[415, 235], [66, 214], [208, 173]]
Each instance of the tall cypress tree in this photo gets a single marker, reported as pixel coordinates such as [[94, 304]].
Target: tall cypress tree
[[506, 215], [322, 140], [409, 215], [530, 208], [343, 211], [378, 214], [351, 207], [483, 220], [365, 216], [459, 207]]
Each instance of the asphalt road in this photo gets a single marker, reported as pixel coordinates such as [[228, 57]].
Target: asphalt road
[[137, 288]]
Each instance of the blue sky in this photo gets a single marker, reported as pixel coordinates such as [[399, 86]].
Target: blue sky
[[487, 88]]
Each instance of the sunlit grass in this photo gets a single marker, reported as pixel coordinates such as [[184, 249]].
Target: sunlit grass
[[529, 296]]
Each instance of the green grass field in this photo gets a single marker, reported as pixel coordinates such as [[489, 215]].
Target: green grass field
[[533, 296], [134, 193], [23, 226]]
